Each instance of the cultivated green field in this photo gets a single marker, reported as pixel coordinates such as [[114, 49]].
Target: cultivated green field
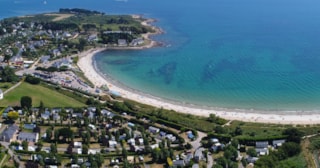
[[38, 93]]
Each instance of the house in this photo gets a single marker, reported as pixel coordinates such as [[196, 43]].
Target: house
[[130, 159], [31, 148], [1, 94], [45, 59], [77, 144], [29, 126], [190, 135], [131, 141], [75, 166], [56, 52], [171, 137], [262, 151], [153, 130], [137, 41], [93, 127], [8, 134], [140, 140], [154, 146], [195, 166], [122, 43], [112, 144], [188, 157], [45, 115], [217, 146], [214, 140], [27, 136], [262, 148], [107, 113], [93, 37], [179, 163], [198, 155], [130, 124], [6, 111], [251, 159], [77, 150], [278, 143], [262, 144]]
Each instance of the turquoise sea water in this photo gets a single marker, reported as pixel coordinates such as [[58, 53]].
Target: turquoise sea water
[[223, 53]]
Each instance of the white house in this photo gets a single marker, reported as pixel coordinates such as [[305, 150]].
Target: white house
[[1, 94]]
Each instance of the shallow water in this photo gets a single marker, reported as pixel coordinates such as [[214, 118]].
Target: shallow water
[[223, 53]]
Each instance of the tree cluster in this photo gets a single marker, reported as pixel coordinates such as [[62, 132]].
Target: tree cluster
[[32, 80], [287, 150], [8, 75]]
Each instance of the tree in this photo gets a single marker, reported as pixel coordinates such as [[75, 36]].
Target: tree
[[13, 115], [48, 134], [39, 146], [31, 164], [53, 148], [85, 149], [99, 159], [32, 80], [294, 135], [26, 102], [252, 152], [8, 75], [25, 145], [290, 148], [238, 131]]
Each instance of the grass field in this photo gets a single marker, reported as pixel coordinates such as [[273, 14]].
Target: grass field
[[38, 93], [4, 86]]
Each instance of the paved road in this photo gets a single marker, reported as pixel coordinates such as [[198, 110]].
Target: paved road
[[197, 143], [210, 161], [11, 153], [4, 158]]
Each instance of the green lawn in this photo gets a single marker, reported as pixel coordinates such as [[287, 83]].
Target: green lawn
[[5, 85], [38, 93]]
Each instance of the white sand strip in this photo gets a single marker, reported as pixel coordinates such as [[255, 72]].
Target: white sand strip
[[278, 117]]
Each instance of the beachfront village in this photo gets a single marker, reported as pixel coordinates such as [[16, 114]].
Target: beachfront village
[[53, 116]]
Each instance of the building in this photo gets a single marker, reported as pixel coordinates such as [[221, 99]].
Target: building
[[154, 130], [27, 136], [77, 144], [9, 133], [1, 94], [29, 126], [278, 143], [179, 163], [122, 43], [262, 148], [262, 144]]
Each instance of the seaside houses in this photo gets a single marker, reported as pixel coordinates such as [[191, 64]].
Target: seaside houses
[[153, 130], [8, 135], [262, 148], [29, 137], [122, 43]]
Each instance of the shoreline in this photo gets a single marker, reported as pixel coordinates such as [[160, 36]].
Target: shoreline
[[88, 66]]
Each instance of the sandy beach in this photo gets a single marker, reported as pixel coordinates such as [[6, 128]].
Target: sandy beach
[[87, 65]]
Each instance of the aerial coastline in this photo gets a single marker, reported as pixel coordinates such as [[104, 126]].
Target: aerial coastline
[[87, 65]]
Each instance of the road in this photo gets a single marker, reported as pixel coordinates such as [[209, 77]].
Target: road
[[11, 153], [197, 143], [13, 87]]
